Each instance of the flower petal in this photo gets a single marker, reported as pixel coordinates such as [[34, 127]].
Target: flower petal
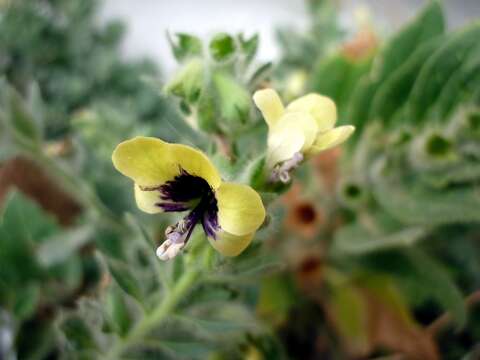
[[146, 200], [283, 145], [322, 108], [240, 209], [196, 163], [296, 120], [294, 132], [331, 138], [270, 104], [151, 162], [230, 245]]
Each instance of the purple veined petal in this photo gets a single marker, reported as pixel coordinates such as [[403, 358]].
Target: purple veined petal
[[172, 207], [210, 224], [209, 230]]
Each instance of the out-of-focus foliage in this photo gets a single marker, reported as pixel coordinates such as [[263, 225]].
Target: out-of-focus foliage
[[59, 45], [412, 157], [215, 81], [373, 251], [407, 190], [304, 49]]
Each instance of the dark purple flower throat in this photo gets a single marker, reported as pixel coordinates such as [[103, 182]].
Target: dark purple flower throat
[[192, 193]]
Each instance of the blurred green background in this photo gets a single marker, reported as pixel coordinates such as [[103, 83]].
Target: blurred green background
[[372, 252]]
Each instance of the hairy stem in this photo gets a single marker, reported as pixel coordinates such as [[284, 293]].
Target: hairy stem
[[153, 319]]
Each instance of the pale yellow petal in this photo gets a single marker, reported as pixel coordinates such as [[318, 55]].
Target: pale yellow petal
[[322, 108], [294, 132], [230, 245], [240, 209], [151, 162], [196, 163], [331, 138], [270, 104], [142, 160], [147, 200], [291, 122], [283, 146]]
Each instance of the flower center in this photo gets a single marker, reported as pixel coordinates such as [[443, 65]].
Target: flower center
[[186, 192]]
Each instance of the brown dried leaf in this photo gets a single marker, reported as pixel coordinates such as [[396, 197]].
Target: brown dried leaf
[[29, 178]]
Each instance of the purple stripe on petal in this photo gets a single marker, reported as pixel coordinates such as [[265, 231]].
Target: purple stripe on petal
[[172, 207], [209, 230], [210, 222]]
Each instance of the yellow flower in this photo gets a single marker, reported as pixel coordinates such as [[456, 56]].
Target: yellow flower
[[302, 129], [178, 178]]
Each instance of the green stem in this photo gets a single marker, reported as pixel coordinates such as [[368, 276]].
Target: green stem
[[150, 321]]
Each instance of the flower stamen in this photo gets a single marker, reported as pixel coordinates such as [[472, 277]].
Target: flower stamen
[[168, 250], [281, 172]]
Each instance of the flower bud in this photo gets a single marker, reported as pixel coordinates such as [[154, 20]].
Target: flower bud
[[234, 98], [188, 82]]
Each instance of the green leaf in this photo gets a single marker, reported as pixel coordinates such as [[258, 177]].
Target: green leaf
[[357, 240], [217, 293], [145, 236], [458, 89], [117, 311], [23, 226], [186, 350], [385, 290], [414, 203], [443, 288], [207, 115], [429, 24], [148, 245], [423, 278], [27, 300], [337, 77], [440, 68], [188, 82], [254, 172], [349, 312], [426, 26], [212, 328], [78, 333], [393, 93], [125, 279], [20, 120], [182, 132], [22, 218], [228, 317], [262, 72], [37, 107], [60, 247], [234, 98], [249, 46], [186, 46], [360, 106], [456, 174], [222, 47], [277, 296], [247, 268]]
